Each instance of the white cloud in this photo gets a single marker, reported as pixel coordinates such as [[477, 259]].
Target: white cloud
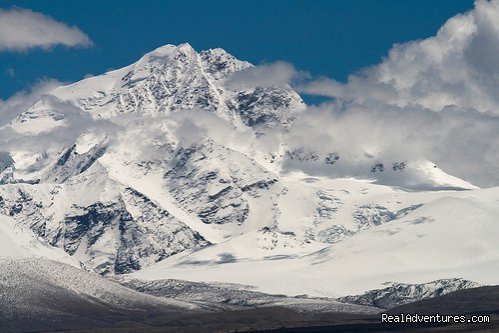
[[23, 29], [457, 67], [435, 99], [22, 100], [275, 74], [76, 122]]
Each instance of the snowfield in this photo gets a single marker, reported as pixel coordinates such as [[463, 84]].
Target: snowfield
[[453, 234], [19, 242]]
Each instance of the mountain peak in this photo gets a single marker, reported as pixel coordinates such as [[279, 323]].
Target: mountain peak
[[169, 79], [170, 49], [165, 55]]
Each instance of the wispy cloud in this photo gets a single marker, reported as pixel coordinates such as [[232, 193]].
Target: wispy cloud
[[23, 29], [76, 122], [274, 74], [22, 100]]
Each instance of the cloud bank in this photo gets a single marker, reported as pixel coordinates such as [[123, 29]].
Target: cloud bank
[[435, 99], [23, 29]]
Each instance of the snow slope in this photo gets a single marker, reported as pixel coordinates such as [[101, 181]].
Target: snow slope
[[453, 234], [20, 242]]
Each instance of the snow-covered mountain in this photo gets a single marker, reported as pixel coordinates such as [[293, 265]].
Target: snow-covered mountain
[[437, 235], [76, 196], [169, 79], [168, 169]]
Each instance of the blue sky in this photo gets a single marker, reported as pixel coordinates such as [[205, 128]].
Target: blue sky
[[325, 38]]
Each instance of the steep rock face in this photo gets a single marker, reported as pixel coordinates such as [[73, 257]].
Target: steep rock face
[[71, 163], [169, 79], [6, 161], [371, 215], [215, 182], [151, 234], [118, 234], [328, 227], [6, 168], [265, 106]]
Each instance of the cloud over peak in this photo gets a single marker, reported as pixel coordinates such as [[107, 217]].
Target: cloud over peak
[[23, 29], [274, 74], [435, 99]]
